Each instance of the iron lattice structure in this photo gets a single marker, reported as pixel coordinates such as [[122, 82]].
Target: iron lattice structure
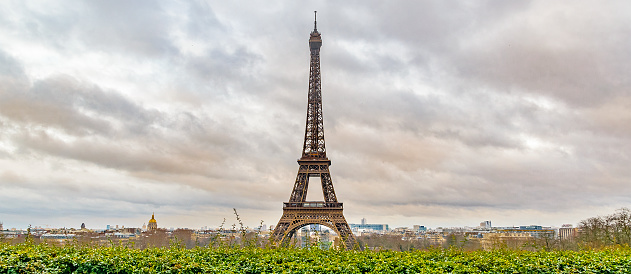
[[298, 212]]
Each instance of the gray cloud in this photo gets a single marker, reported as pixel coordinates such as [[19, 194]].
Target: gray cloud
[[440, 114], [564, 53]]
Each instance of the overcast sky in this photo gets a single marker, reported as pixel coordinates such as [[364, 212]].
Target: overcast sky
[[436, 113]]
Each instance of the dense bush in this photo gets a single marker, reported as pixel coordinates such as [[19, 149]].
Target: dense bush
[[43, 258]]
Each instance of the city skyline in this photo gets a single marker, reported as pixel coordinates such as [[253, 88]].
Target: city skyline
[[436, 114]]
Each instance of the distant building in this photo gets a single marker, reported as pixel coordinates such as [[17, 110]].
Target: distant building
[[82, 225], [536, 231], [485, 224], [375, 227], [366, 226], [1, 227], [419, 228], [131, 230], [567, 232], [153, 224], [53, 236]]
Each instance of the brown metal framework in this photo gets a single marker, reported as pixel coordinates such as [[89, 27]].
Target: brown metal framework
[[298, 212]]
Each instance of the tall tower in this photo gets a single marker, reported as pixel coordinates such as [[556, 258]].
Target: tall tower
[[298, 212]]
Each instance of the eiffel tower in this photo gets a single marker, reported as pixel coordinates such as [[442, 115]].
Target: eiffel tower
[[298, 212]]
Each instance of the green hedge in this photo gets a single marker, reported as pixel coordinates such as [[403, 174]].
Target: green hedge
[[43, 258]]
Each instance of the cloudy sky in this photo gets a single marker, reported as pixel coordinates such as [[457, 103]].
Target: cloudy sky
[[436, 113]]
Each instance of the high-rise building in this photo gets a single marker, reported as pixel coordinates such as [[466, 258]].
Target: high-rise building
[[485, 224], [419, 228]]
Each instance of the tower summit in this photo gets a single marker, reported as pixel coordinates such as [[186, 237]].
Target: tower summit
[[315, 41], [298, 212]]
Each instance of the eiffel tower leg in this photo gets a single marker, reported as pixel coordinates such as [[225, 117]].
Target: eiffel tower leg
[[327, 187], [279, 232], [285, 229], [287, 240], [299, 193], [346, 235]]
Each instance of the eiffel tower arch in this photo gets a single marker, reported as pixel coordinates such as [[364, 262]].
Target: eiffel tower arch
[[298, 212]]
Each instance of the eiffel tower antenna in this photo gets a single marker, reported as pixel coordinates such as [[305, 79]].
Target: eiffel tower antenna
[[315, 20], [328, 212]]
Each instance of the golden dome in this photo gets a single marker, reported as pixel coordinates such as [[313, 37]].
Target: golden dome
[[153, 224], [153, 219]]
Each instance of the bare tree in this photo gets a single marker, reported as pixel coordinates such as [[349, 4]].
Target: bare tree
[[614, 229]]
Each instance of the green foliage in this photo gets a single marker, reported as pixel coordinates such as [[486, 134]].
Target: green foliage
[[44, 258]]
